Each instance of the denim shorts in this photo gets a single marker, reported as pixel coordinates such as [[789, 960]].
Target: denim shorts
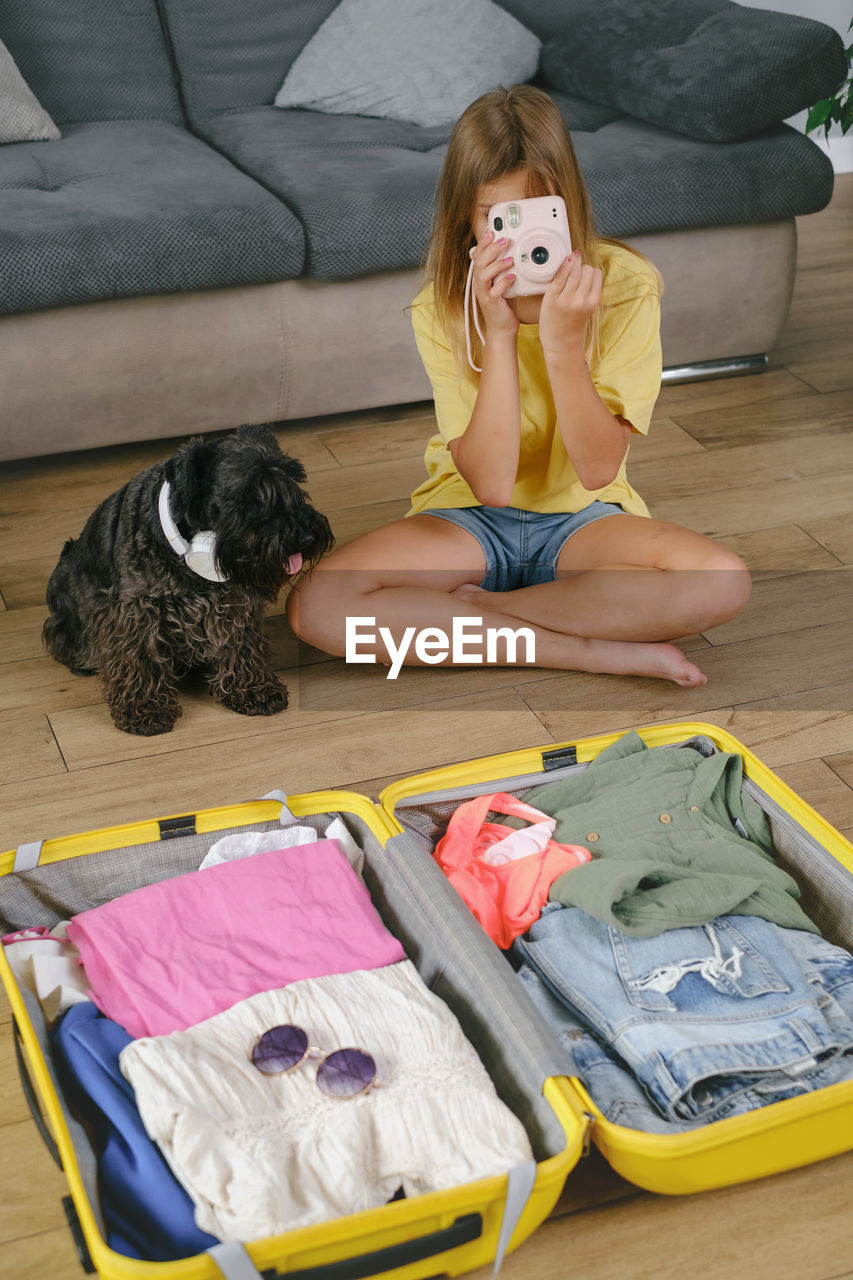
[[521, 547]]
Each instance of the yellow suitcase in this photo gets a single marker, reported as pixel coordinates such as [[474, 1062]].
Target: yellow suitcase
[[448, 1232]]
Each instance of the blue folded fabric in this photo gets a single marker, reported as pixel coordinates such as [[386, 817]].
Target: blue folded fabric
[[147, 1213]]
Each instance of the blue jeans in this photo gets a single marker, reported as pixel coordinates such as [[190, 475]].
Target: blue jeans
[[613, 1088], [712, 1021]]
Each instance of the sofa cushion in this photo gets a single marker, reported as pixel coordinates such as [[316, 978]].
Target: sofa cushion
[[710, 69], [423, 61], [92, 59], [22, 118], [122, 208], [362, 188], [233, 55], [641, 178]]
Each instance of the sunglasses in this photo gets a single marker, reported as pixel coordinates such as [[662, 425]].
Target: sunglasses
[[346, 1073]]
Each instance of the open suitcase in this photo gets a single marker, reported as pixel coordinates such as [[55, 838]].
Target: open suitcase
[[441, 1233]]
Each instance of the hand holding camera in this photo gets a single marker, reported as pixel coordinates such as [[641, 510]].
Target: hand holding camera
[[527, 251], [537, 237]]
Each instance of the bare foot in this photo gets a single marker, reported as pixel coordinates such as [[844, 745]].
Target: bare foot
[[657, 659], [636, 658]]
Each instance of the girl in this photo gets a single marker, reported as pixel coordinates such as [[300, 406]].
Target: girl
[[526, 516]]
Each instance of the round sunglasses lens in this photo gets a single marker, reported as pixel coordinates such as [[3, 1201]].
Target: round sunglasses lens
[[346, 1072], [280, 1049]]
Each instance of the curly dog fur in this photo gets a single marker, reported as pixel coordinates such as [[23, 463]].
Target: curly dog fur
[[124, 604]]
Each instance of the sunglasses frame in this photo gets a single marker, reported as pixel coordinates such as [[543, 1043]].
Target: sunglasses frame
[[313, 1051]]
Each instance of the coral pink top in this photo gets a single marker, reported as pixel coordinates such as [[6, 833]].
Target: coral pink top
[[504, 873]]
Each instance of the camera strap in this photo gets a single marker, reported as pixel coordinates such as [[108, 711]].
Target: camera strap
[[468, 310]]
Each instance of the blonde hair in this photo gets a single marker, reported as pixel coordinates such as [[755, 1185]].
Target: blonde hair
[[503, 131]]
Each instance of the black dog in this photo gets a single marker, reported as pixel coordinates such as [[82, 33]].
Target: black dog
[[125, 602]]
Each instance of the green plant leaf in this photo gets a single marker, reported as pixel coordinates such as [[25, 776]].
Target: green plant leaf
[[819, 114]]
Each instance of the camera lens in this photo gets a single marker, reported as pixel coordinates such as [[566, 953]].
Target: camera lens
[[499, 224], [539, 255]]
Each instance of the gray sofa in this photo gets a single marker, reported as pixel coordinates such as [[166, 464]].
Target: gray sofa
[[188, 257]]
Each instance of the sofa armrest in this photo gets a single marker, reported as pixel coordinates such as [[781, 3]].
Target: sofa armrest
[[711, 69]]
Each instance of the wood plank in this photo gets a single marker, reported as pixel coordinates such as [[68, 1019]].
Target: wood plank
[[804, 415], [31, 1200], [41, 685], [818, 288], [297, 760], [842, 765], [781, 731], [41, 532], [754, 467], [47, 1255], [721, 395], [790, 729], [23, 582], [793, 1226], [789, 602], [28, 749], [13, 1104], [322, 690], [82, 480], [327, 694], [815, 659], [817, 340], [835, 534], [351, 522], [739, 509], [821, 787], [785, 549], [826, 372], [666, 439], [366, 484], [375, 443], [20, 634]]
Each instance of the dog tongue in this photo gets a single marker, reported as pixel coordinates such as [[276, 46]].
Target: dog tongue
[[293, 564]]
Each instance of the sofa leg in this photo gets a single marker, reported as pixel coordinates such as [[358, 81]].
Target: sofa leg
[[702, 370]]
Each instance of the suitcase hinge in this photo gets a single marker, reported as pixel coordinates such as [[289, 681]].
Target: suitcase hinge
[[183, 825], [559, 757]]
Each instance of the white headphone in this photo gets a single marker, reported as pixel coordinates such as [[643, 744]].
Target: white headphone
[[200, 553]]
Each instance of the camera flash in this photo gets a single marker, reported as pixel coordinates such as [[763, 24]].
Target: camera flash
[[512, 214]]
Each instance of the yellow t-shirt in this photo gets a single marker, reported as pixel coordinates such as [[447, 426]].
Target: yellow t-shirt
[[626, 376]]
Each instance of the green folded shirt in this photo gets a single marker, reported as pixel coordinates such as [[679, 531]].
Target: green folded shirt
[[660, 824]]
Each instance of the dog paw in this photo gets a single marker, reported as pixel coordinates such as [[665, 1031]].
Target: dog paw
[[261, 700], [146, 723]]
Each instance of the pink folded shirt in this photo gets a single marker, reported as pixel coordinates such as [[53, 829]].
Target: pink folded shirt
[[167, 956]]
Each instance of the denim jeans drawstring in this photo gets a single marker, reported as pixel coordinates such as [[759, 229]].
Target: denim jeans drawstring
[[712, 968]]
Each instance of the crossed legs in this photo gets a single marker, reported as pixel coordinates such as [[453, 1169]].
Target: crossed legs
[[625, 586]]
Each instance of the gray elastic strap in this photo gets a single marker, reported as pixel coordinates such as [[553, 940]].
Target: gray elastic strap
[[27, 855], [285, 817], [233, 1261], [520, 1181]]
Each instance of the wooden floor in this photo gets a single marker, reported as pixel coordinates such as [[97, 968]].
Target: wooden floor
[[763, 463]]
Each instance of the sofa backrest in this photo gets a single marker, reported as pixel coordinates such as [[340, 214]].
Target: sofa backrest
[[545, 18], [235, 53], [92, 59]]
